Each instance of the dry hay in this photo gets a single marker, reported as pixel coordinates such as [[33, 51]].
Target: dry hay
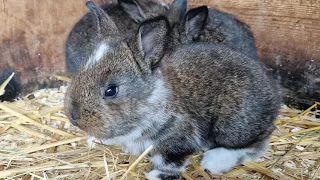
[[38, 142]]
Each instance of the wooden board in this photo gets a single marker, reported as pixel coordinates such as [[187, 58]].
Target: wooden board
[[32, 39], [287, 33]]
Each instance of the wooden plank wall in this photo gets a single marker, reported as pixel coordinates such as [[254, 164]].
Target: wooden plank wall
[[32, 38], [287, 32]]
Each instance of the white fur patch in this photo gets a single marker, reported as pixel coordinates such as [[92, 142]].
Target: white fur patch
[[157, 160], [163, 4], [157, 102], [159, 94], [221, 160], [98, 54], [153, 175], [130, 142], [90, 141]]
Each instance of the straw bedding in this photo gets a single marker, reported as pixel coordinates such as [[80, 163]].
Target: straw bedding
[[38, 142]]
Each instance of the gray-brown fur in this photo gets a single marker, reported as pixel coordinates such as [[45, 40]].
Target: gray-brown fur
[[209, 25], [178, 98], [126, 14], [231, 88], [197, 25], [225, 29]]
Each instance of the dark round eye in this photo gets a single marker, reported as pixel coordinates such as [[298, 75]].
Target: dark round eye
[[111, 91]]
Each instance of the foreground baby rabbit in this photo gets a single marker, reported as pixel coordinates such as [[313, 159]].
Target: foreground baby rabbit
[[179, 99], [126, 15], [213, 26]]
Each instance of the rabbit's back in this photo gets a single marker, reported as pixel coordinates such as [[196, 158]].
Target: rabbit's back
[[226, 29]]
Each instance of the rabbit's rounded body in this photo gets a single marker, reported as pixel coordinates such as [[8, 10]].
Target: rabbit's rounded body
[[178, 98], [81, 40], [200, 97], [224, 93], [209, 25]]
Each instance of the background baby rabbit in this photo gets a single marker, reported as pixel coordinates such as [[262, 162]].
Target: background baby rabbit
[[207, 25], [203, 24], [178, 98], [126, 15]]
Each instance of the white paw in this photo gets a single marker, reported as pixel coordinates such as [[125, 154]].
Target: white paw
[[90, 142], [221, 160], [153, 175]]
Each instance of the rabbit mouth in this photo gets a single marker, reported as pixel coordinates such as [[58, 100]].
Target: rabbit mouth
[[104, 128], [92, 127]]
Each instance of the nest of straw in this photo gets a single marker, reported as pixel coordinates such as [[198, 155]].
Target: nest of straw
[[38, 142]]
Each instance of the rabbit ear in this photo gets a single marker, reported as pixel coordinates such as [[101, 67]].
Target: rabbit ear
[[133, 8], [152, 38], [177, 11], [105, 24], [195, 21]]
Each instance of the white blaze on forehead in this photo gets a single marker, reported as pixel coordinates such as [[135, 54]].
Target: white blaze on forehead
[[98, 54]]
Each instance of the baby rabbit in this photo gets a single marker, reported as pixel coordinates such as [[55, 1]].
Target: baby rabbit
[[203, 24], [178, 98], [127, 15]]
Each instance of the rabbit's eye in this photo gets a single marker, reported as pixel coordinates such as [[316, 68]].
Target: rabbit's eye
[[111, 91]]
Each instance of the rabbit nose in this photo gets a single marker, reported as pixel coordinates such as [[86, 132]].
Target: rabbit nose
[[74, 115]]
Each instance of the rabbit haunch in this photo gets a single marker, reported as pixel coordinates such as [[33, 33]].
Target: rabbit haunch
[[180, 99]]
